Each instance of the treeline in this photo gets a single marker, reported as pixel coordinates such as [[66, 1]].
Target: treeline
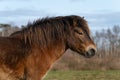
[[7, 29], [107, 57], [108, 42]]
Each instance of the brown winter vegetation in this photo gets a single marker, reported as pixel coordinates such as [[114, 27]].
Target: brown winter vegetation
[[107, 57]]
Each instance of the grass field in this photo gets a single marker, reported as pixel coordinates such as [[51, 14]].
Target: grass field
[[83, 75]]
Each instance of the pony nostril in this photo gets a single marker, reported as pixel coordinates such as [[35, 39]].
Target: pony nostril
[[93, 51], [90, 53]]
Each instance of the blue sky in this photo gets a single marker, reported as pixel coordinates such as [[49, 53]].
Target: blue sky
[[99, 13]]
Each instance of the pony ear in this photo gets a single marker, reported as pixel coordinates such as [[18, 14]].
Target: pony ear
[[83, 17]]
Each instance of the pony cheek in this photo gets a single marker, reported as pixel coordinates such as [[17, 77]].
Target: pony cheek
[[71, 42], [75, 45]]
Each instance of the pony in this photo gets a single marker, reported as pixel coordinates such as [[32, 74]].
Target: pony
[[30, 52]]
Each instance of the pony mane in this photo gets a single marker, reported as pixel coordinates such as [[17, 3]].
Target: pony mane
[[47, 31]]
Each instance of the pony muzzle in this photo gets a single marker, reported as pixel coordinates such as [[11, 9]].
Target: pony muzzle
[[91, 51]]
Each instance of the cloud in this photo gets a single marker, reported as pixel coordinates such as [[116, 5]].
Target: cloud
[[14, 0], [22, 16], [96, 21], [111, 18], [77, 0], [103, 20], [22, 12]]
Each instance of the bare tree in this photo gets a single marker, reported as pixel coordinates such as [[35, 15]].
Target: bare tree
[[7, 29]]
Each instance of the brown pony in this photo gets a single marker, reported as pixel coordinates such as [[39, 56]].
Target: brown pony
[[29, 53]]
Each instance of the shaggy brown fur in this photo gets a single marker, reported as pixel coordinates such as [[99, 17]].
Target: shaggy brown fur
[[29, 53]]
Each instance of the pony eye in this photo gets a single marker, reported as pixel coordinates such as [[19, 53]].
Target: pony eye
[[81, 33]]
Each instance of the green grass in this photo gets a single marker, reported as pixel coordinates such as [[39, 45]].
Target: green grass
[[83, 75]]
